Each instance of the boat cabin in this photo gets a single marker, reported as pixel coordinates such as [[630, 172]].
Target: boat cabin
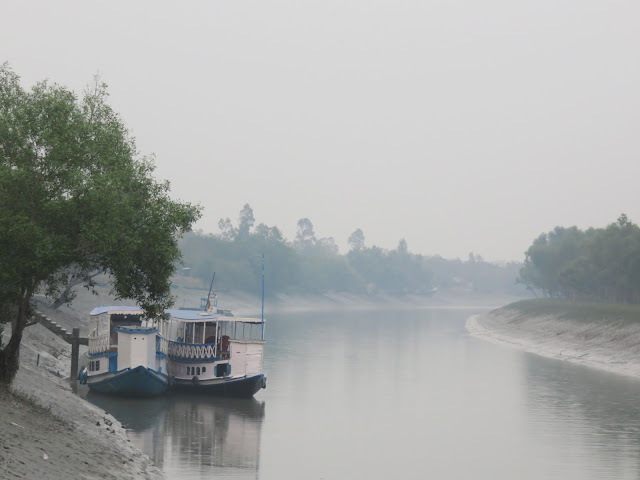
[[120, 338], [202, 345]]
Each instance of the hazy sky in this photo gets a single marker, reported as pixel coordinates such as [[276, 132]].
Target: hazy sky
[[461, 126]]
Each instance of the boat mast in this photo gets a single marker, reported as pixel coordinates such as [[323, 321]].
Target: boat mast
[[209, 294], [262, 296]]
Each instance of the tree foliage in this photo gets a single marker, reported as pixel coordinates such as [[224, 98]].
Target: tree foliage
[[305, 236], [75, 198], [310, 265], [596, 265], [246, 221], [356, 240]]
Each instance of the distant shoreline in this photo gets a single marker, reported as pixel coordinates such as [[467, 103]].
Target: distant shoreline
[[604, 337], [189, 293]]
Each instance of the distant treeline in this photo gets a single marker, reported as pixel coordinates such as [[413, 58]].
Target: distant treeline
[[314, 265], [600, 264]]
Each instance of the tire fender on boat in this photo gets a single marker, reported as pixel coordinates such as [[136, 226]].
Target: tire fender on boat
[[195, 380]]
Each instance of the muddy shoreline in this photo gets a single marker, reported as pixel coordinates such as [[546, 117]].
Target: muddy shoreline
[[611, 345], [50, 433]]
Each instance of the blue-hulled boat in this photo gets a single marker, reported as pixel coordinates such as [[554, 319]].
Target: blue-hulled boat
[[123, 354], [206, 350]]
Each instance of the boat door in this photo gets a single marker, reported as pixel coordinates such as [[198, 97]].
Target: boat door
[[113, 363]]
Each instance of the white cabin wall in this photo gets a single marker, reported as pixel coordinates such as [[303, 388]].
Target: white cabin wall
[[254, 358], [139, 355], [238, 357], [104, 365], [124, 351], [246, 357], [150, 344], [207, 369], [136, 349]]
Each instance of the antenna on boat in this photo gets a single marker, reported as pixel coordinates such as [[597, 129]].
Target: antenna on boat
[[209, 294], [263, 296]]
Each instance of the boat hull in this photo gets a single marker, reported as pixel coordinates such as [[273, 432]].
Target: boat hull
[[134, 382], [243, 387]]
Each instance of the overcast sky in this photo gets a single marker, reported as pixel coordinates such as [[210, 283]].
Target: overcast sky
[[469, 125]]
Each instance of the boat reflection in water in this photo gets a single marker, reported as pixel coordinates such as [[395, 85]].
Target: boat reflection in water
[[192, 436]]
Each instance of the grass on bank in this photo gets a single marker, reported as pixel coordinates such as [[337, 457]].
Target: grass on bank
[[582, 311]]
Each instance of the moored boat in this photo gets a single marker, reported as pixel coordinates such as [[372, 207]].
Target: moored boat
[[213, 353], [123, 356]]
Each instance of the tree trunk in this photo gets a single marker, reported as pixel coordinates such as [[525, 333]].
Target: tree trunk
[[10, 355], [64, 297]]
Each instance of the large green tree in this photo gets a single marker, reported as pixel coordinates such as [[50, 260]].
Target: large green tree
[[75, 198], [600, 264]]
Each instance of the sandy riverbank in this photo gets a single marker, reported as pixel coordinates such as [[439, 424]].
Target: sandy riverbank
[[608, 344], [50, 433]]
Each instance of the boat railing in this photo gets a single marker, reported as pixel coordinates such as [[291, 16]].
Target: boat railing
[[188, 351], [162, 346], [99, 344]]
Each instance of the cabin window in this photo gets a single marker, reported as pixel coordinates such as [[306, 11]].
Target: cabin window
[[222, 369], [204, 369], [91, 366], [188, 370], [198, 370], [97, 364], [180, 332]]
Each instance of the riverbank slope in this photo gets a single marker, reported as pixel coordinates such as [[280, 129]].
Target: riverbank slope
[[50, 433], [601, 336]]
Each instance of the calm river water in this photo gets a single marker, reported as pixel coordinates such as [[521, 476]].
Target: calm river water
[[404, 395]]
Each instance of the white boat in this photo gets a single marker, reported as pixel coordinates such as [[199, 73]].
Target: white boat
[[214, 353], [123, 356]]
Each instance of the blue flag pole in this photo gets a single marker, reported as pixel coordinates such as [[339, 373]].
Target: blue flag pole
[[263, 296]]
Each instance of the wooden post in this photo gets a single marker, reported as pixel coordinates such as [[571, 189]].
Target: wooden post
[[75, 350]]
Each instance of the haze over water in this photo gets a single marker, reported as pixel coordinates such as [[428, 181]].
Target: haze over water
[[396, 395], [459, 126]]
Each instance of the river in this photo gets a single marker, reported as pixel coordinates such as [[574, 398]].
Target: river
[[406, 394]]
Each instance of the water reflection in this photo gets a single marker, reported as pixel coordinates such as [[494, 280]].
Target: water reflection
[[571, 405], [193, 436]]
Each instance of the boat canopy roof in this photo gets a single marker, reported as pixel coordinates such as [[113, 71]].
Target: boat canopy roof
[[204, 316], [117, 309]]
